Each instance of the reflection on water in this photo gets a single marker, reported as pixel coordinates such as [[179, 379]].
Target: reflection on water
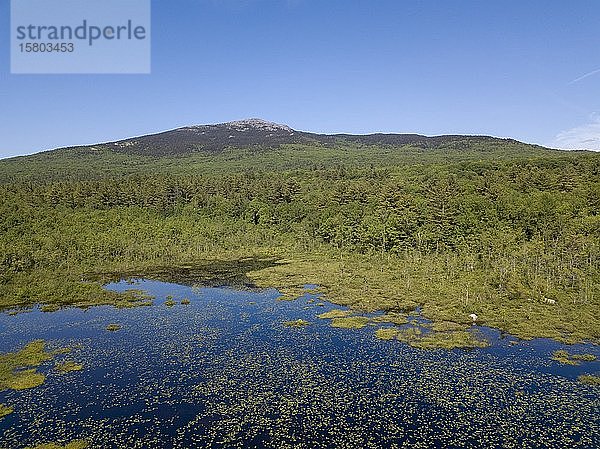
[[225, 372]]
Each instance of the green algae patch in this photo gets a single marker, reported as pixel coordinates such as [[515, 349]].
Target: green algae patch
[[113, 327], [170, 302], [77, 444], [296, 323], [68, 366], [18, 369], [351, 322], [564, 357], [387, 333], [588, 379], [5, 410], [335, 313]]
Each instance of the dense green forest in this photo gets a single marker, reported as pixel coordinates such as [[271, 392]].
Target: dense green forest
[[512, 237]]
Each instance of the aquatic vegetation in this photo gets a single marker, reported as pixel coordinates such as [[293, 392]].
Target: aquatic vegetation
[[133, 298], [566, 358], [446, 326], [449, 340], [68, 366], [583, 357], [170, 302], [404, 282], [409, 334], [391, 317], [5, 410], [185, 301], [296, 323], [48, 308], [113, 327], [447, 336], [77, 444], [351, 322], [255, 382], [588, 379], [17, 369], [335, 313], [386, 333], [290, 293]]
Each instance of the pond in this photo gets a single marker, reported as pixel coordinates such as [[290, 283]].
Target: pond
[[225, 372]]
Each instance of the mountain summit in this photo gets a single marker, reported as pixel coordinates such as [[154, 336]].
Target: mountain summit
[[256, 123], [212, 138]]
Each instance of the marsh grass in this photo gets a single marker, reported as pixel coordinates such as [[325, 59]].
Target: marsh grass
[[409, 334], [133, 298], [589, 379], [564, 357], [68, 366], [391, 317], [185, 301], [49, 308], [386, 333], [5, 410], [584, 357], [447, 336], [291, 293], [170, 302], [113, 327], [404, 282], [459, 339], [18, 369], [447, 326]]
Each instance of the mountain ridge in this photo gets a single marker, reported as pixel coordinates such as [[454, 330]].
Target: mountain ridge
[[255, 132]]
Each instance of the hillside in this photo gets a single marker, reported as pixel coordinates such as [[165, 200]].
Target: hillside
[[256, 145]]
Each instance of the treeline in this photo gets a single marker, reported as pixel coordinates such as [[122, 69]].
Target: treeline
[[533, 226]]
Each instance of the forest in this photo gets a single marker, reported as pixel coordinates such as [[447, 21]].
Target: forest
[[513, 239]]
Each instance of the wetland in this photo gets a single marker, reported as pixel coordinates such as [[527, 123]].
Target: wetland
[[233, 366]]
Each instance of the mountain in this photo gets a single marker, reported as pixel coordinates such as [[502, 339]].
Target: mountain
[[255, 144], [260, 133]]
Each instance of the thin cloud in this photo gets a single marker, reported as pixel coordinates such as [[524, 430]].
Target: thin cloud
[[582, 77], [584, 137]]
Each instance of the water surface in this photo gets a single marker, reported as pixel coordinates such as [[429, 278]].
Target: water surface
[[225, 372]]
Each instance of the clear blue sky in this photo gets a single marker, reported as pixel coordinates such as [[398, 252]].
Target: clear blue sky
[[504, 68]]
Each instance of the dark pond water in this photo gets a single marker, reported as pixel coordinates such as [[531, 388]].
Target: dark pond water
[[224, 372]]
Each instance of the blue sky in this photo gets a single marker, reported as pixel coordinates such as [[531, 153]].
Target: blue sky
[[505, 68]]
